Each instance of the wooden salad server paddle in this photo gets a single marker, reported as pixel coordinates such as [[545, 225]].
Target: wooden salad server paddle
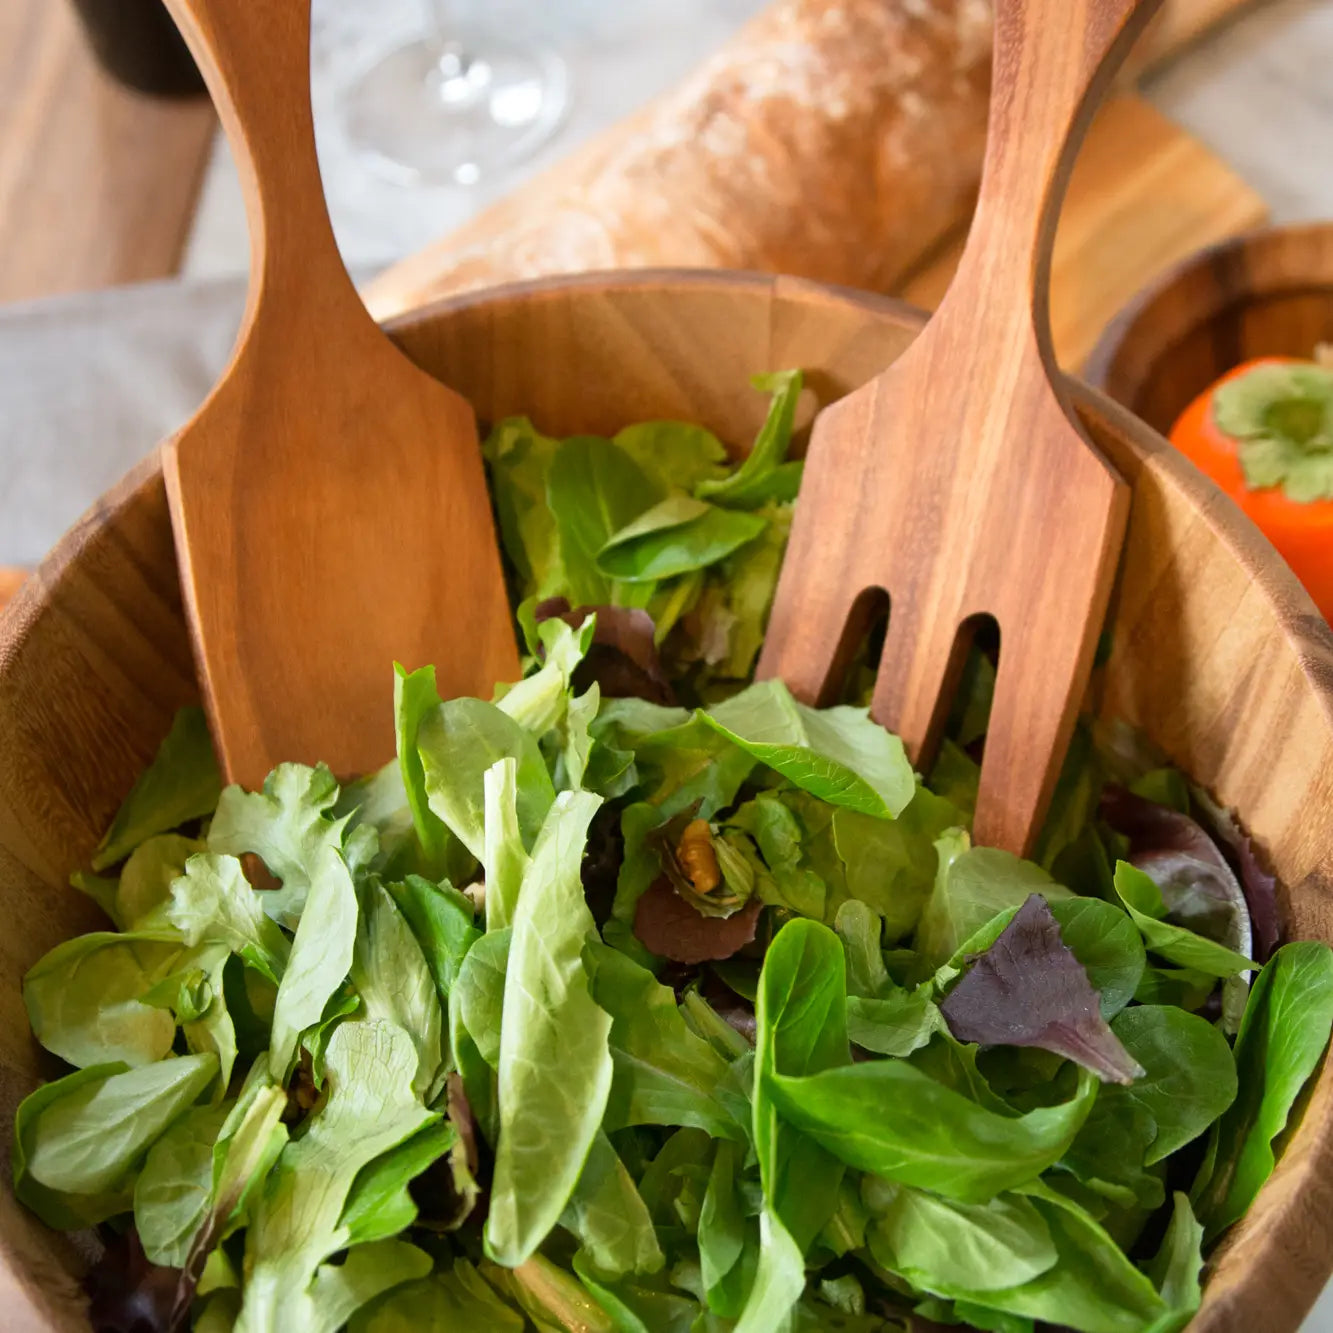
[[957, 481], [329, 502]]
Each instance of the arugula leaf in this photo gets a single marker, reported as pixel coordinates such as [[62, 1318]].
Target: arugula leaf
[[555, 1066], [1143, 902], [378, 1203], [1282, 1038], [676, 536], [390, 974], [295, 1223], [609, 1217], [212, 902], [973, 885], [760, 477], [368, 1271], [1176, 1268], [837, 754], [182, 783], [91, 1138], [520, 458], [458, 742], [174, 1190], [321, 957], [594, 489], [949, 1247], [936, 1138], [84, 1004], [663, 1073], [1028, 989]]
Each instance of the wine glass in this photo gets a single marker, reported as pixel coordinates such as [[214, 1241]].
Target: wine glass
[[459, 102]]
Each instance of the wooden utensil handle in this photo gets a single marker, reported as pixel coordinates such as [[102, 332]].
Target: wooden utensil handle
[[1052, 62], [255, 58]]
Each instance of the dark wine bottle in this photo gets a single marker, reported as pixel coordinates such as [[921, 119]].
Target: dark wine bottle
[[137, 43]]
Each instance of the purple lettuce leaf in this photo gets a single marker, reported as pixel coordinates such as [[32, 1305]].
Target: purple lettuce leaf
[[1197, 884], [672, 928], [1028, 989], [623, 656]]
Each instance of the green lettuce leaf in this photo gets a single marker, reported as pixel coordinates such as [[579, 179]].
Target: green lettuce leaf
[[174, 1191], [213, 903], [762, 477]]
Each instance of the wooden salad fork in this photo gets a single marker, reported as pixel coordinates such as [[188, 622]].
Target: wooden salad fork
[[329, 501], [958, 481]]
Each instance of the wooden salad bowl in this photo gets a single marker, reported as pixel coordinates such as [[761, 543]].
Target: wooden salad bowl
[[1217, 654], [1269, 293]]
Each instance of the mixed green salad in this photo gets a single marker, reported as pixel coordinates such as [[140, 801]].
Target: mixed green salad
[[644, 998]]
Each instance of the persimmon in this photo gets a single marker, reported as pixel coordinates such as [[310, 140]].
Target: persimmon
[[1264, 434]]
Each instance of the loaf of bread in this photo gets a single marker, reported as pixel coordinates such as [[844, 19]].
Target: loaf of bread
[[834, 139]]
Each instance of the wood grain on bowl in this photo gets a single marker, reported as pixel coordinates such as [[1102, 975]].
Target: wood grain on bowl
[[1216, 652], [10, 581], [1268, 293]]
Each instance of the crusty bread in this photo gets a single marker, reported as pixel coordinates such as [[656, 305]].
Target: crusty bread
[[835, 139]]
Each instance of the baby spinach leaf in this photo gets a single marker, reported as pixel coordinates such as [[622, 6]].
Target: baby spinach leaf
[[520, 458], [594, 489], [212, 902], [1176, 1267], [890, 864], [801, 1028], [504, 858], [779, 1278], [897, 1022], [182, 783], [84, 1002], [1028, 989], [1092, 1287], [1189, 1076], [610, 1218], [723, 1227], [91, 1138], [949, 1247], [1107, 1155], [442, 919], [1281, 1041], [664, 1074], [677, 453], [295, 1223], [972, 885], [676, 536], [1107, 944], [458, 742], [1143, 901], [555, 1066], [378, 1203], [175, 1188], [836, 754], [368, 1271], [415, 696], [635, 1307], [287, 826], [321, 956], [755, 480], [64, 1211], [390, 974], [1180, 986], [934, 1138]]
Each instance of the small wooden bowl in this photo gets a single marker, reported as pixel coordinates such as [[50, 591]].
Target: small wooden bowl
[[1266, 294], [1217, 654]]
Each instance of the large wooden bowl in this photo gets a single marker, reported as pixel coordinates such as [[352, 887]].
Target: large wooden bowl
[[1218, 655], [1266, 294]]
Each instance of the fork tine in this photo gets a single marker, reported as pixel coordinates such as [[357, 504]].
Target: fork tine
[[805, 621]]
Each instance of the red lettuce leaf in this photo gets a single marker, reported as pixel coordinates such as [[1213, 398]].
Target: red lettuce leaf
[[669, 926], [622, 658], [1198, 886], [128, 1294], [1028, 989]]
